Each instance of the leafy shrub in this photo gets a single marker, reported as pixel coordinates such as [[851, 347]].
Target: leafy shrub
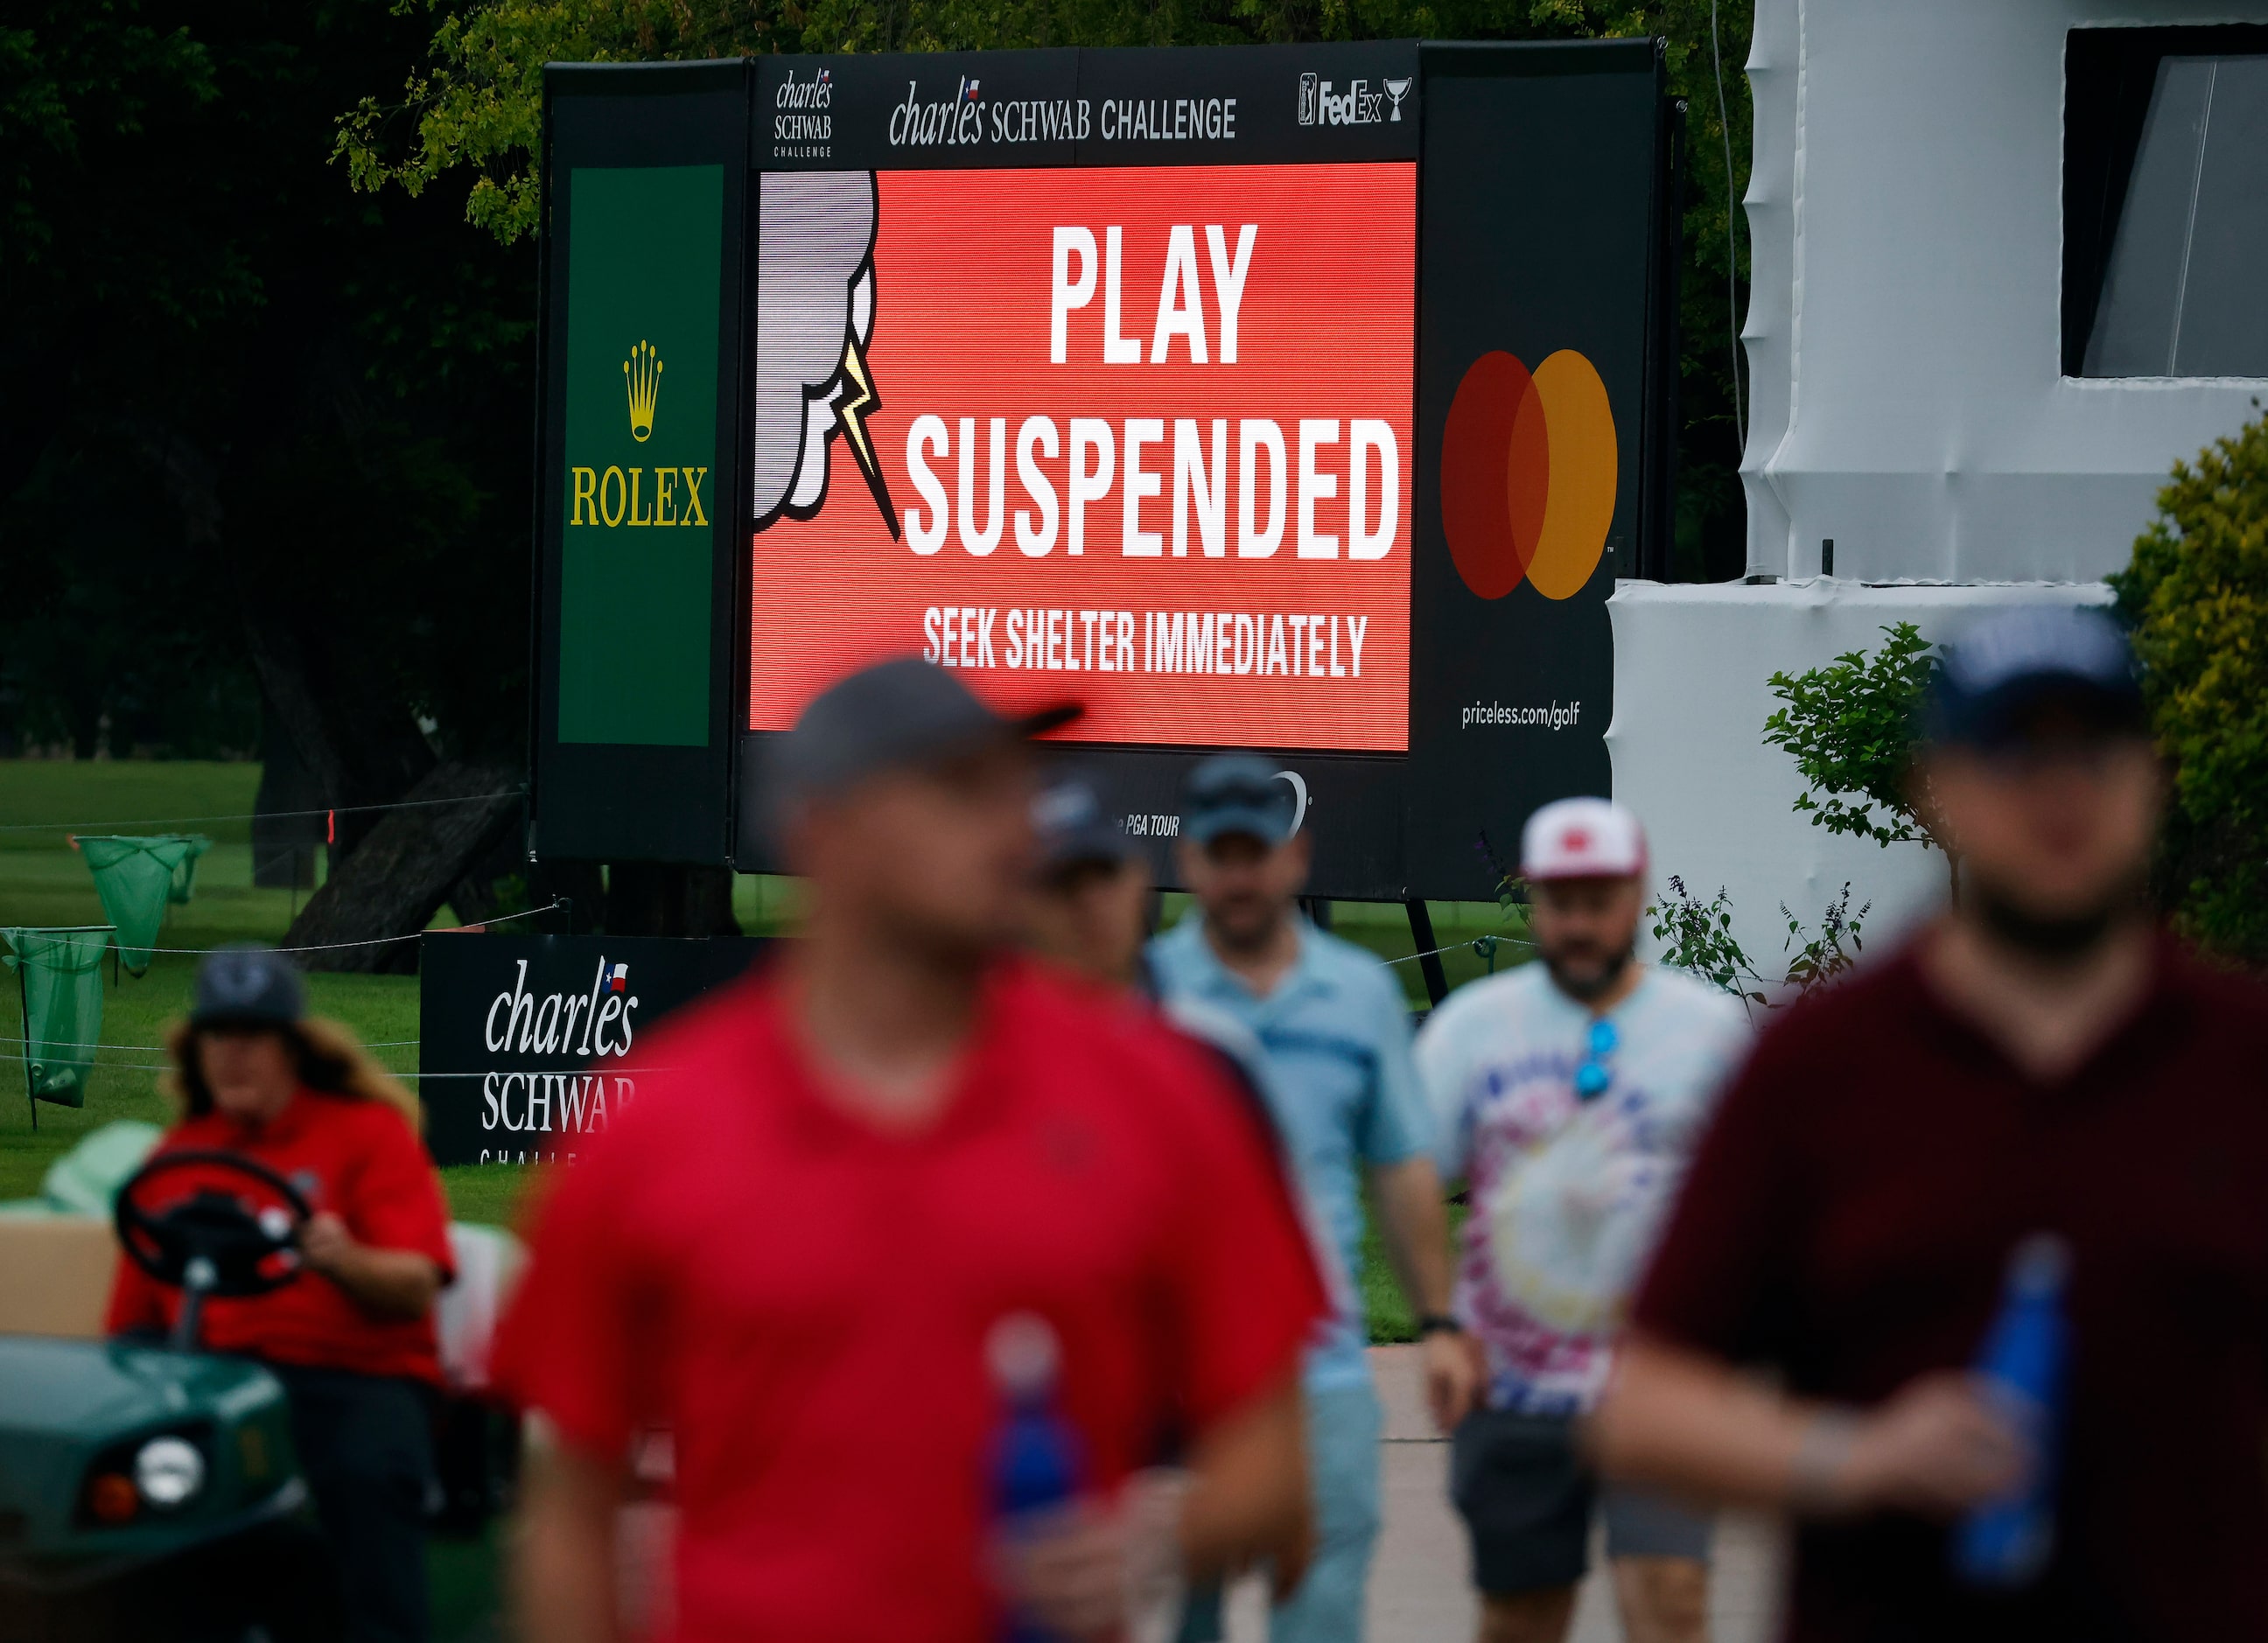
[[1698, 936], [1849, 728], [2195, 594]]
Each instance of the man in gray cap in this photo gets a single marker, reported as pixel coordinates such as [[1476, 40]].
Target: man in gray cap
[[1336, 1034], [883, 1198], [2038, 1069], [1091, 908]]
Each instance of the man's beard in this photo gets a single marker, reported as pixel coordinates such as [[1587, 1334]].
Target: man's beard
[[1248, 926], [1583, 989], [2059, 938]]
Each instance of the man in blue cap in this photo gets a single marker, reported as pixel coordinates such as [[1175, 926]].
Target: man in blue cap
[[2039, 1059], [1335, 1032]]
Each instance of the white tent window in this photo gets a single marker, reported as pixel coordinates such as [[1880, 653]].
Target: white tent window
[[2182, 292]]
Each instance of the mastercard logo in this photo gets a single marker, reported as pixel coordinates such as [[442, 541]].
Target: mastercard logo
[[1527, 475]]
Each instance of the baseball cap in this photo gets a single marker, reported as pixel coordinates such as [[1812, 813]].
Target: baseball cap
[[2010, 663], [900, 712], [1074, 828], [1235, 792], [1582, 838], [246, 985]]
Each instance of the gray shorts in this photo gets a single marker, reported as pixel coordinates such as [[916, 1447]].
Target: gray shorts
[[1528, 1500]]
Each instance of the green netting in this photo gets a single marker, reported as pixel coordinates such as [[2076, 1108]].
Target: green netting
[[185, 875], [60, 974], [134, 878]]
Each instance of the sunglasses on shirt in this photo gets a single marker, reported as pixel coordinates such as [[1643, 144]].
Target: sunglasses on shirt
[[1593, 1076]]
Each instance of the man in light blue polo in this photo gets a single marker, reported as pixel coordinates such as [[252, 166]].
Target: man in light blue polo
[[1337, 1035]]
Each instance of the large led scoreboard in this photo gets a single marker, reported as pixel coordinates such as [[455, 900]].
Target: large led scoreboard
[[1300, 399]]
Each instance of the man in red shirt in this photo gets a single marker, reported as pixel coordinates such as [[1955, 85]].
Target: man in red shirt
[[790, 1252], [2038, 1060]]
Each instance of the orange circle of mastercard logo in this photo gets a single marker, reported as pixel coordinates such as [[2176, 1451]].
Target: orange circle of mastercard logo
[[1527, 475]]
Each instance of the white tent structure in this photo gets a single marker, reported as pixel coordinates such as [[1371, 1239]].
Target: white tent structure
[[1962, 372]]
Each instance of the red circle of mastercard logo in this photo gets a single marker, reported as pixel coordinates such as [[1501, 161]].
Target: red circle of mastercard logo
[[1527, 475]]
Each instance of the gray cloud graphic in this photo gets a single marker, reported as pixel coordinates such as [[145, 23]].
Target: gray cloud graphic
[[815, 314]]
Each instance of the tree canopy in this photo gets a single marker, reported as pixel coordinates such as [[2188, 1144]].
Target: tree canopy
[[266, 438], [467, 120]]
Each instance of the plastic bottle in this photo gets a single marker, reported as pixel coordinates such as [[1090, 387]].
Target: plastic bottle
[[1037, 1459], [2006, 1542]]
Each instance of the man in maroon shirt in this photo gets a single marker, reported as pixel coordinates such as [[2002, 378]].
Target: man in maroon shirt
[[841, 1179], [2039, 1059]]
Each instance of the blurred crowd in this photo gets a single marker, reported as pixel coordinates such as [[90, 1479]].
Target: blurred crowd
[[987, 1266]]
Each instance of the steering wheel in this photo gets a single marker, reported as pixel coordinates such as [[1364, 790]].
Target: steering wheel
[[213, 1242]]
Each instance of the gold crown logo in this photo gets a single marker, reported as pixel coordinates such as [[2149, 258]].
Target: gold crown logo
[[643, 372]]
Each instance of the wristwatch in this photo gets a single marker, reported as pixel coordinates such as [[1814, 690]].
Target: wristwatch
[[1437, 1323]]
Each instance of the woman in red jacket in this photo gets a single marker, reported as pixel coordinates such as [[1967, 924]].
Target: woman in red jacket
[[352, 1338]]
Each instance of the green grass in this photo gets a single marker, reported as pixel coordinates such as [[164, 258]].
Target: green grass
[[1391, 1318], [44, 881], [465, 1584]]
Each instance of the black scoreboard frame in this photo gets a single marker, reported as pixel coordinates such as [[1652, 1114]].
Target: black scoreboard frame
[[1548, 217]]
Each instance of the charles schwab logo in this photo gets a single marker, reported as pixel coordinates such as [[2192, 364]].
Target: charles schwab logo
[[954, 120], [802, 115], [586, 1025], [1322, 103], [520, 1023], [816, 92]]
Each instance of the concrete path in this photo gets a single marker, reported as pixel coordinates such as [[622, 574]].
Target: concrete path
[[1421, 1584]]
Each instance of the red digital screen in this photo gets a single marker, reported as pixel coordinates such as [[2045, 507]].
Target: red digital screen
[[1139, 436]]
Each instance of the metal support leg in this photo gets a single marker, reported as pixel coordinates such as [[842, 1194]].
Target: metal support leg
[[1421, 932]]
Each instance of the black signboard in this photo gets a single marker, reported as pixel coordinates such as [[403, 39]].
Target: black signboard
[[1182, 106], [1522, 266], [530, 1044], [1513, 456], [639, 551]]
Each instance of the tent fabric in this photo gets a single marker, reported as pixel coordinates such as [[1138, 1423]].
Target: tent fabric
[[1693, 666], [185, 875], [134, 878], [60, 973], [1906, 396]]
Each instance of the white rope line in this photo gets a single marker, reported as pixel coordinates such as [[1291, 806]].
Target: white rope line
[[99, 1067], [1473, 942], [539, 1073], [383, 1043], [255, 815], [375, 941]]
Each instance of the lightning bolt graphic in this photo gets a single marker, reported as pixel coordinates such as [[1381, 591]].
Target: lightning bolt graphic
[[853, 412]]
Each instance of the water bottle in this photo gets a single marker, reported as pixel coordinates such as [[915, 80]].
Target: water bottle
[[1037, 1463], [2005, 1542]]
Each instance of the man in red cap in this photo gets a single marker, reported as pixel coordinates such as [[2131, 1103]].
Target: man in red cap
[[790, 1252], [1568, 1092]]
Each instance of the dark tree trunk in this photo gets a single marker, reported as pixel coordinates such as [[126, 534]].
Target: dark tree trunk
[[362, 745], [399, 874], [473, 897], [284, 837], [354, 732], [647, 898]]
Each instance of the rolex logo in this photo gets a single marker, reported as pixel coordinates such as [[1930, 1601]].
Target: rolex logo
[[643, 372]]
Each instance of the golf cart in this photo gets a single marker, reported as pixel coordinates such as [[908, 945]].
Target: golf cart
[[150, 1490]]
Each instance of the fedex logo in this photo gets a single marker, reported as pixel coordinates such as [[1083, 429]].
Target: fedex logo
[[1319, 105]]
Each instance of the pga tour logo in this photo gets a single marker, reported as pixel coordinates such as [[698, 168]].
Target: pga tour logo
[[1319, 105]]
